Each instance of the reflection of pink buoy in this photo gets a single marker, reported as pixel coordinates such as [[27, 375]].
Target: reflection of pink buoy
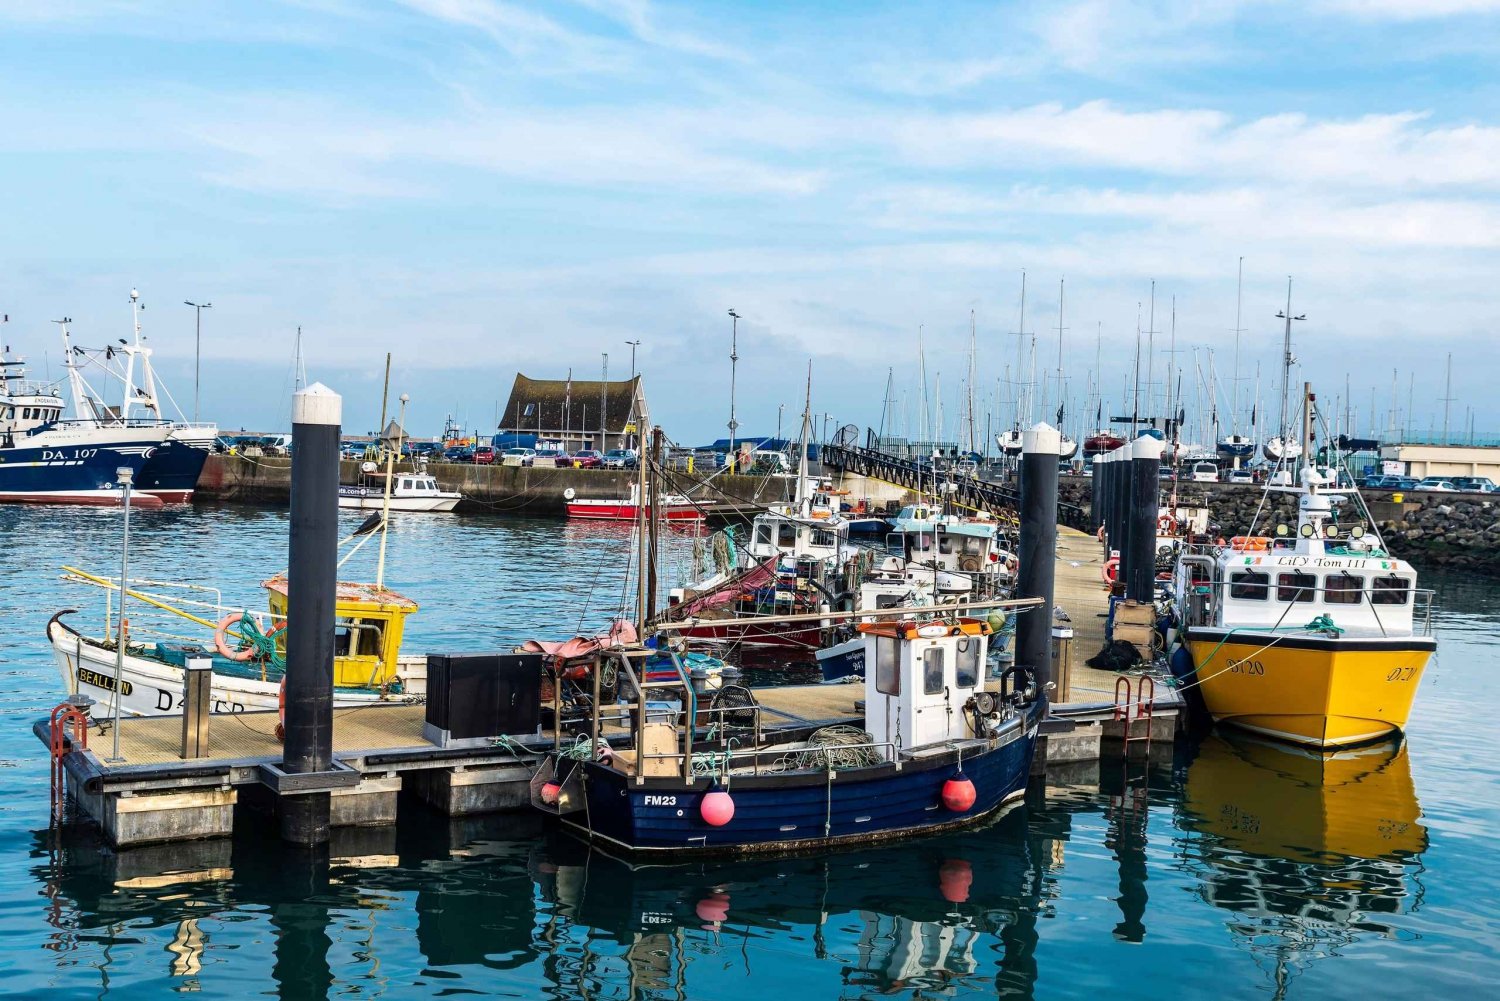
[[955, 876], [717, 808], [958, 793], [714, 908], [551, 791]]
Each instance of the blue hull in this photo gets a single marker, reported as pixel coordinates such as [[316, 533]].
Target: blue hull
[[796, 811], [171, 472], [848, 664], [79, 474], [868, 526]]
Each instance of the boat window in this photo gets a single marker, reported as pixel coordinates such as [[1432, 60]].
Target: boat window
[[966, 664], [932, 671], [1390, 591], [762, 535], [1249, 586], [25, 413], [786, 535], [1296, 586], [1343, 589], [823, 537], [356, 638], [920, 542], [947, 544], [973, 546], [887, 666], [405, 483]]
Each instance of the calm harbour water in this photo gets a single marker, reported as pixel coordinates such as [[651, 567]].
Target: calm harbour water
[[1237, 871]]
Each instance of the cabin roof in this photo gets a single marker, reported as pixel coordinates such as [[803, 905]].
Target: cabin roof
[[352, 592]]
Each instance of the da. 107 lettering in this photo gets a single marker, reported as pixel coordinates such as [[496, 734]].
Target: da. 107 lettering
[[59, 455]]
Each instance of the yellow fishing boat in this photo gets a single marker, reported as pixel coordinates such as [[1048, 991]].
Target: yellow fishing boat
[[1314, 635]]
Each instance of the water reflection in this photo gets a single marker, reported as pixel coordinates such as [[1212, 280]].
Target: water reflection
[[936, 917], [1308, 851]]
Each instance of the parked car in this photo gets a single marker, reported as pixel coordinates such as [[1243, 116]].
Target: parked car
[[1378, 481], [619, 458], [458, 453], [515, 456], [584, 458], [1205, 472], [1166, 473], [1475, 484], [484, 455], [1436, 483], [1240, 476]]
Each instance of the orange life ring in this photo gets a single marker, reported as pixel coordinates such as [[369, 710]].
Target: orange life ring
[[1165, 524], [1100, 533], [281, 710], [1249, 543], [221, 637], [1111, 570]]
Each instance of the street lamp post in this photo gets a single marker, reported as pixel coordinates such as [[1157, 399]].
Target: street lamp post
[[126, 476], [198, 309], [734, 360], [633, 345]]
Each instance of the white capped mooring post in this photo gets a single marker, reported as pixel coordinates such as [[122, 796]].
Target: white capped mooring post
[[1145, 488], [1040, 448], [312, 576]]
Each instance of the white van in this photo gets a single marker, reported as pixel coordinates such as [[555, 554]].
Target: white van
[[1205, 472]]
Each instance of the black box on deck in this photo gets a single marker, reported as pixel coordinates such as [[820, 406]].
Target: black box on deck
[[473, 697]]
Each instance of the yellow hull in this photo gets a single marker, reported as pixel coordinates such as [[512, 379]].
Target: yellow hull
[[1318, 691]]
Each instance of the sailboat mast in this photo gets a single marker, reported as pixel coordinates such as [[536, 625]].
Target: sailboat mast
[[972, 374], [1234, 389]]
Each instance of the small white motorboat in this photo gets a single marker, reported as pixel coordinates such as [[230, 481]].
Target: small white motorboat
[[409, 492]]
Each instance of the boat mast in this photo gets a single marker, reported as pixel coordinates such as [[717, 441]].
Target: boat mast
[[1151, 350], [1234, 389], [972, 374], [1061, 404], [75, 378], [1021, 350], [135, 322], [1286, 361], [804, 498]]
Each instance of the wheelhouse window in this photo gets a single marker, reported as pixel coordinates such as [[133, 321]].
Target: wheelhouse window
[[1343, 589], [932, 671], [887, 666], [1296, 586], [966, 664], [1249, 585], [824, 538], [948, 544], [1390, 591], [786, 535], [762, 535]]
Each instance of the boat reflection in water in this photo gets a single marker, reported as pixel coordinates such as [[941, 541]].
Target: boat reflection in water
[[949, 915], [1307, 850]]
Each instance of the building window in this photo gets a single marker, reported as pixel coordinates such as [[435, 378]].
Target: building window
[[932, 671], [1249, 586], [1343, 589], [1390, 591], [1296, 586], [887, 666]]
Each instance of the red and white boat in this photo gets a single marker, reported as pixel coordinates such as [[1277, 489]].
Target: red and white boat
[[674, 507]]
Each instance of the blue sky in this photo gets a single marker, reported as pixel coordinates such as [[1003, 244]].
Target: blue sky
[[483, 187]]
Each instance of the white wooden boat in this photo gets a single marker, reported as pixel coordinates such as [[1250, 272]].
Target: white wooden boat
[[409, 492]]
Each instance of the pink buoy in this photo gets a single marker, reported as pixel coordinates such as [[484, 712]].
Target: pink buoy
[[958, 793], [717, 808], [955, 876], [551, 792], [713, 908]]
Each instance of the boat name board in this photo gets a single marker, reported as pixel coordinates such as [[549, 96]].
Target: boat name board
[[1337, 562], [104, 681]]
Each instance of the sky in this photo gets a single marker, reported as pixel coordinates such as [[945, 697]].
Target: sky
[[482, 187]]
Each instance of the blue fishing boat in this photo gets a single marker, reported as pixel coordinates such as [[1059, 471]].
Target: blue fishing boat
[[934, 751], [45, 459]]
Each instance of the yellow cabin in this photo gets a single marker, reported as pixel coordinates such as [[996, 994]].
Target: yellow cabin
[[369, 626]]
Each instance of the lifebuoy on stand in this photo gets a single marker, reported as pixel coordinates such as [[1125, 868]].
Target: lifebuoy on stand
[[1111, 570]]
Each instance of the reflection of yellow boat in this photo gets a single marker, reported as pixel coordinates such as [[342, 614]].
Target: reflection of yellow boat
[[1305, 851], [1304, 806]]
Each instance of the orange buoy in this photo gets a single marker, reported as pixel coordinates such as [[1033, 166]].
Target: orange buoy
[[551, 793], [959, 793], [955, 876], [717, 808], [714, 908]]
